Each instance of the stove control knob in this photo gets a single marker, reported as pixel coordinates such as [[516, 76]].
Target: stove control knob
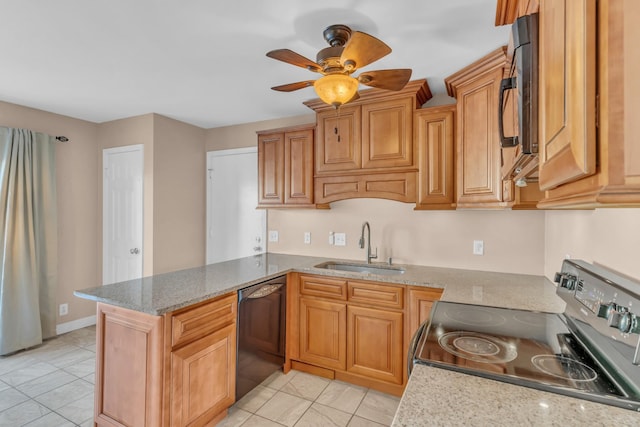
[[566, 280], [625, 322], [620, 318], [605, 310]]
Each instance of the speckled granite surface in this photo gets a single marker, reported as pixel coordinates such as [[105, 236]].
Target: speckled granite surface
[[433, 396], [438, 397], [167, 292]]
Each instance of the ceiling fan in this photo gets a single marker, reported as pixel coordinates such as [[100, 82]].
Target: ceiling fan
[[348, 51]]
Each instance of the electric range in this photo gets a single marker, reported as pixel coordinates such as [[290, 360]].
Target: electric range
[[590, 351]]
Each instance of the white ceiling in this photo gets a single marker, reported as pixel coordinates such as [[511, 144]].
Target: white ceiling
[[203, 61]]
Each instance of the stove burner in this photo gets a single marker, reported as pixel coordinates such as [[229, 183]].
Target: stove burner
[[564, 367], [530, 318], [477, 347], [475, 316]]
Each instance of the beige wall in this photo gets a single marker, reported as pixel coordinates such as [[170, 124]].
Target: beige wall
[[244, 135], [513, 240], [610, 237], [174, 192], [179, 172], [77, 177]]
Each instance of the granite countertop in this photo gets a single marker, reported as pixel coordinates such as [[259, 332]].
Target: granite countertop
[[167, 292], [439, 397], [433, 396]]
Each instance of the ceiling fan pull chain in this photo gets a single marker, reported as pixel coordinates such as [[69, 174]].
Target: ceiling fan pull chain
[[337, 128]]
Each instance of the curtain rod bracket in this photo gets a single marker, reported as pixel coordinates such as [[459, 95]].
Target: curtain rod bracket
[[62, 138]]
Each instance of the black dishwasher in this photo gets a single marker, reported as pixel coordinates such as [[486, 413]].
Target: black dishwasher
[[261, 333]]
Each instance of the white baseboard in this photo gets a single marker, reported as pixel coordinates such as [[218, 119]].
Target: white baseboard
[[63, 328]]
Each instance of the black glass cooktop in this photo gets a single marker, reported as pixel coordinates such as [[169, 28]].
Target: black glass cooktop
[[527, 348]]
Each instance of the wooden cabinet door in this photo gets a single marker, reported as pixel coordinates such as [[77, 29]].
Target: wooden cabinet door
[[338, 148], [434, 135], [298, 167], [271, 169], [129, 366], [567, 91], [420, 302], [323, 327], [375, 344], [479, 178], [387, 140], [203, 378]]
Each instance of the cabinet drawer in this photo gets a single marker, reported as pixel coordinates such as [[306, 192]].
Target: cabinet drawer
[[375, 294], [322, 287], [194, 323]]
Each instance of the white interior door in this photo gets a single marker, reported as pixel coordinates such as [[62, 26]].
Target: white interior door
[[235, 228], [122, 217]]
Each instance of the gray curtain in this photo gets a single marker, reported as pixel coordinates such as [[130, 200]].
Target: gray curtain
[[28, 238]]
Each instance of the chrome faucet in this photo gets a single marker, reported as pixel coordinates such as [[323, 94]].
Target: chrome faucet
[[369, 256]]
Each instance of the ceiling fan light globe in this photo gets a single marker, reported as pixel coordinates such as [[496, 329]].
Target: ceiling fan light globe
[[336, 89]]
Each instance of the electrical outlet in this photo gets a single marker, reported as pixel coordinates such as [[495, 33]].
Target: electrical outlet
[[273, 235], [331, 237], [307, 238], [63, 309], [478, 247], [340, 239]]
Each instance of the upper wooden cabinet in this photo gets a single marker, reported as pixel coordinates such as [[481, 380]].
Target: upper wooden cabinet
[[434, 136], [476, 89], [615, 179], [567, 91], [338, 147], [366, 148], [387, 134], [285, 167], [372, 134], [508, 10]]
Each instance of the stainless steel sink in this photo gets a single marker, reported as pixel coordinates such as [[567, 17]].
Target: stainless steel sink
[[362, 268]]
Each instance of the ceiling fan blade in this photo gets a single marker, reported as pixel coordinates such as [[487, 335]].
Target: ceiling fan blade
[[293, 86], [290, 57], [362, 49], [386, 79]]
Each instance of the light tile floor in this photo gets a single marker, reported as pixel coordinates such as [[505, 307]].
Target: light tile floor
[[52, 384]]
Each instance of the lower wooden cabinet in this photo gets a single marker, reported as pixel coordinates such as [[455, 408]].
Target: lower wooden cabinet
[[420, 301], [172, 370], [129, 368], [354, 330], [375, 343], [203, 378], [323, 327]]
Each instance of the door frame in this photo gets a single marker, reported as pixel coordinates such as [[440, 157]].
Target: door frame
[[223, 153], [105, 153]]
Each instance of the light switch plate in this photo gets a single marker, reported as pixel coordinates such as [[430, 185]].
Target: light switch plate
[[273, 235], [307, 238], [478, 247], [340, 239]]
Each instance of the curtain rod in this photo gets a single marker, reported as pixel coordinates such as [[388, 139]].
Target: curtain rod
[[62, 138]]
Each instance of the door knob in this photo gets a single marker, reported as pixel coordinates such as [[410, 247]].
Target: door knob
[[135, 251]]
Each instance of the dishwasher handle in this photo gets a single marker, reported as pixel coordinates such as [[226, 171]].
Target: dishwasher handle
[[261, 291]]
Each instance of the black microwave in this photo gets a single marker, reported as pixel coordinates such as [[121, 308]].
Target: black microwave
[[523, 78]]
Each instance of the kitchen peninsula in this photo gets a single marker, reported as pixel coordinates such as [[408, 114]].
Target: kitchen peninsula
[[154, 333], [432, 395]]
